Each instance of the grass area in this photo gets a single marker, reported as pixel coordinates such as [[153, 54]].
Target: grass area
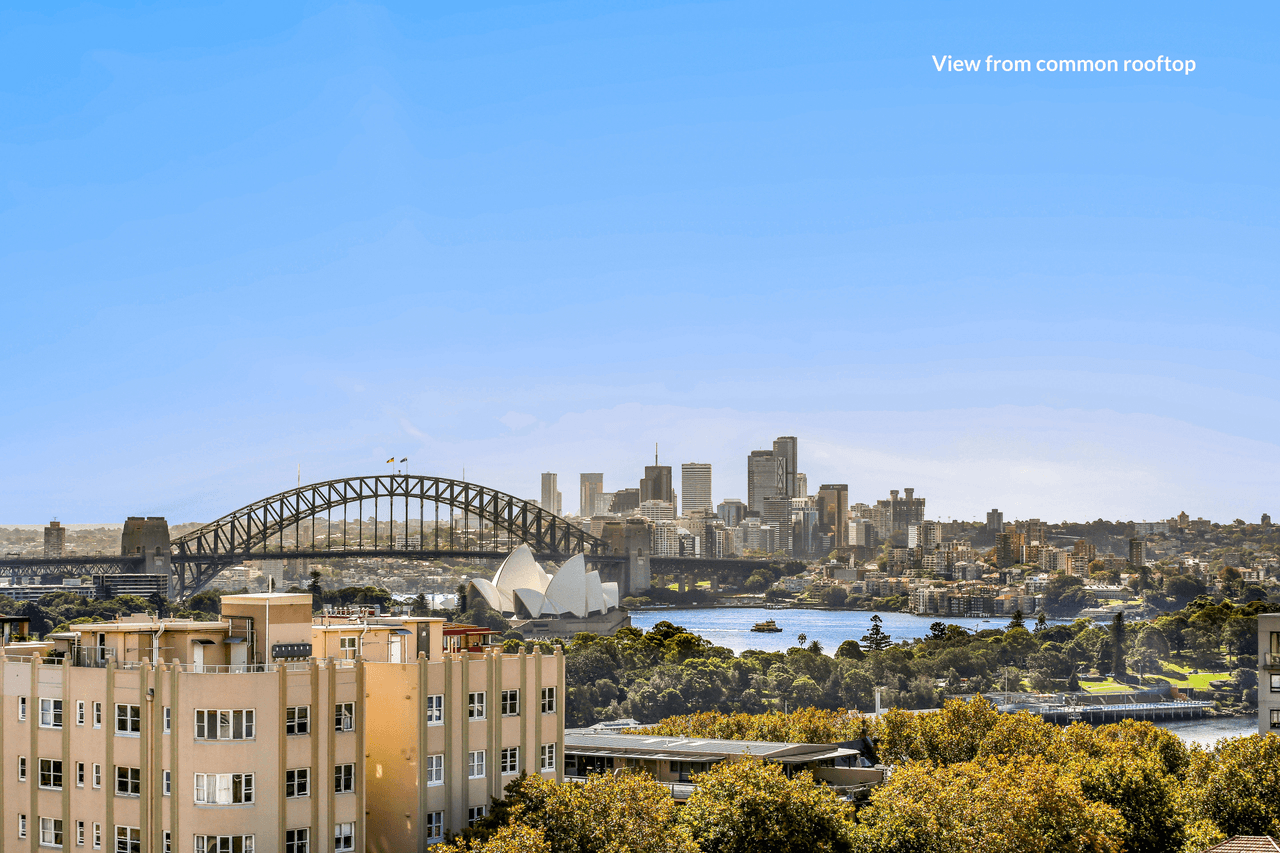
[[1178, 676]]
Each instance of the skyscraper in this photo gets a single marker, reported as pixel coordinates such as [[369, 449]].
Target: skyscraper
[[732, 511], [695, 486], [550, 494], [777, 513], [656, 485], [1137, 553], [589, 487], [995, 520], [802, 486], [55, 539], [784, 447], [833, 512], [766, 477]]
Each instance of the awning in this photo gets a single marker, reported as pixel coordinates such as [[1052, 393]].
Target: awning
[[814, 756], [205, 642], [645, 756], [234, 640], [402, 632]]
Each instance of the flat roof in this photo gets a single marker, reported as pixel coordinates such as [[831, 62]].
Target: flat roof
[[587, 742], [271, 597]]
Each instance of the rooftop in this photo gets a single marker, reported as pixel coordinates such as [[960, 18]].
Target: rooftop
[[587, 742]]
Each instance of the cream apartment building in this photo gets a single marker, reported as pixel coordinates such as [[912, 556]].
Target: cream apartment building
[[265, 730], [1269, 673]]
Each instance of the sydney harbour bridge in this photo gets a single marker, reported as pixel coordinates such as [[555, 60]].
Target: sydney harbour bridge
[[337, 518]]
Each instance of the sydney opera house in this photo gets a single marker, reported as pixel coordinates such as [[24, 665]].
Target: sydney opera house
[[541, 605]]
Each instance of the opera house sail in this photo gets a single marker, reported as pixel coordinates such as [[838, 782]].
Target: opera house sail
[[539, 604]]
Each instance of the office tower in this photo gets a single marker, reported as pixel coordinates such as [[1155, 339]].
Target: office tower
[[590, 487], [784, 447], [695, 487], [777, 514], [603, 504], [625, 500], [1137, 553], [896, 514], [833, 512], [1035, 531], [55, 539], [766, 477], [254, 732], [802, 486], [657, 510], [731, 511], [995, 520], [550, 494], [863, 533]]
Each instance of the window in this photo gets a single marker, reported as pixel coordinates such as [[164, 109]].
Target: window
[[225, 724], [475, 814], [80, 713], [297, 841], [224, 844], [50, 713], [79, 833], [97, 775], [435, 709], [344, 717], [344, 836], [22, 826], [548, 700], [1275, 682], [50, 832], [475, 764], [511, 703], [97, 836], [128, 782], [435, 769], [167, 783], [97, 718], [128, 721], [548, 756], [223, 789], [1275, 718], [167, 842], [22, 768], [347, 646], [79, 774], [297, 783], [344, 779], [168, 719], [475, 706], [22, 708], [435, 826], [510, 760], [297, 720], [51, 773], [128, 839]]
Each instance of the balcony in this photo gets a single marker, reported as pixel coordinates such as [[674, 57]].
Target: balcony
[[1271, 660]]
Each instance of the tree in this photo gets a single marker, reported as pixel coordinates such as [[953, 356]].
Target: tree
[[834, 596], [1237, 785], [937, 630], [875, 638], [801, 639], [1065, 596], [1042, 623], [514, 838], [1017, 621], [1182, 589], [752, 807], [1117, 647], [851, 650]]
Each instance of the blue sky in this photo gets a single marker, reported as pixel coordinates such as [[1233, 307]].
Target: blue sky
[[238, 238]]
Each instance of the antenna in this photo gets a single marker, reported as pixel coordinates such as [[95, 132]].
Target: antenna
[[655, 453]]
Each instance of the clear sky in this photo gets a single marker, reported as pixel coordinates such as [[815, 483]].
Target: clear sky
[[236, 238]]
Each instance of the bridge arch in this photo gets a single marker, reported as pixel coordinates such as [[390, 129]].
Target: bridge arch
[[249, 532]]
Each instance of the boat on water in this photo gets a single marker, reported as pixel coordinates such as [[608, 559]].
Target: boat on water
[[768, 626]]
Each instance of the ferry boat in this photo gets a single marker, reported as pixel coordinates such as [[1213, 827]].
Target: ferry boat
[[766, 627]]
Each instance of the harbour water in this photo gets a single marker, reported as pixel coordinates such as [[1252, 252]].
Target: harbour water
[[731, 628]]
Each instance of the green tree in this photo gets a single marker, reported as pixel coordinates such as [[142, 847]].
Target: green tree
[[1017, 621], [752, 807], [1117, 647], [851, 650], [1237, 785], [834, 596], [876, 639]]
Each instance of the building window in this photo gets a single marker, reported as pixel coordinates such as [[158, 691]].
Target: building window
[[344, 779], [475, 706], [97, 775], [128, 782], [79, 833], [475, 814], [80, 713], [167, 783], [511, 703], [22, 768], [297, 720], [224, 844], [344, 717], [435, 769], [50, 832], [435, 827], [510, 760], [128, 720], [97, 836], [79, 774], [297, 841], [50, 713], [1275, 682], [435, 709], [297, 783], [344, 836], [128, 839], [168, 720], [97, 717], [1275, 718], [548, 700], [223, 789], [22, 826], [167, 841], [51, 773], [347, 647], [225, 724], [22, 708], [475, 764], [548, 756]]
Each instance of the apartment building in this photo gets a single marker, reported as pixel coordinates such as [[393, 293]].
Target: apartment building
[[1268, 673], [265, 730]]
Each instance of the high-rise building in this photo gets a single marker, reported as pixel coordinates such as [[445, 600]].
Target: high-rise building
[[802, 486], [732, 511], [656, 485], [603, 504], [995, 521], [766, 477], [777, 514], [784, 447], [625, 500], [550, 494], [695, 487], [55, 539], [657, 510], [862, 533], [926, 535], [1268, 673], [833, 512], [590, 487], [1034, 531], [1137, 553], [896, 514]]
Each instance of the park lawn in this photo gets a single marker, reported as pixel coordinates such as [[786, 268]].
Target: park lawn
[[1107, 685], [1197, 681]]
